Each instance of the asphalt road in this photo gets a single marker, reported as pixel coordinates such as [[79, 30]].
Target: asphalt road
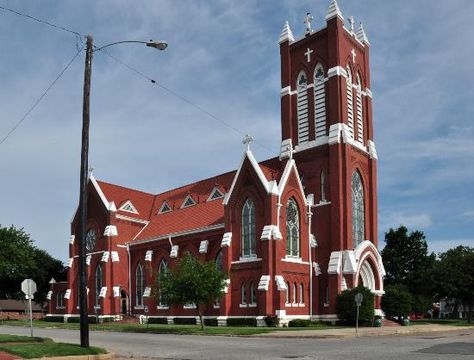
[[453, 345]]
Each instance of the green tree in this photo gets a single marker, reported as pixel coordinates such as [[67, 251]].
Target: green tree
[[396, 301], [191, 282], [20, 259], [407, 263], [454, 276], [346, 307]]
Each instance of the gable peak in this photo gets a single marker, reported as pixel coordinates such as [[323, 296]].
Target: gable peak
[[286, 34], [334, 11]]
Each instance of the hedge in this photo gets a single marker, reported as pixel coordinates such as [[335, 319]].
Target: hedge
[[346, 306]]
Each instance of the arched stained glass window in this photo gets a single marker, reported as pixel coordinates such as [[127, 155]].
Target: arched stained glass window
[[248, 229], [292, 229], [243, 293], [287, 293], [319, 102], [98, 283], [219, 261], [253, 294], [323, 186], [301, 293], [294, 293], [358, 213], [302, 108], [139, 284], [162, 269]]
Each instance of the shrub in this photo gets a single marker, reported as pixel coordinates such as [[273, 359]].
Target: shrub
[[299, 323], [160, 320], [271, 320], [346, 306], [54, 318], [242, 322], [210, 322], [184, 321], [396, 301]]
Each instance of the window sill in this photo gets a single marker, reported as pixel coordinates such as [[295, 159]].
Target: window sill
[[216, 306], [244, 260], [62, 307], [139, 307], [189, 307], [287, 305], [254, 305], [97, 307], [322, 203], [301, 305], [326, 304], [295, 260], [243, 306], [160, 307]]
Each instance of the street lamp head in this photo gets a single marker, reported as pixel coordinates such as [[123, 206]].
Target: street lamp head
[[160, 45]]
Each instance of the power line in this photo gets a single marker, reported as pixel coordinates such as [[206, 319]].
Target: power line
[[79, 37], [42, 96], [181, 97], [58, 27]]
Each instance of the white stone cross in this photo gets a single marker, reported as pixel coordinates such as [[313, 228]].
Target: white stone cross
[[351, 21], [247, 140], [307, 20], [308, 54], [353, 55]]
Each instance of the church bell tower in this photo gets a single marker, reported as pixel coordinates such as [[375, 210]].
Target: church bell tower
[[326, 119]]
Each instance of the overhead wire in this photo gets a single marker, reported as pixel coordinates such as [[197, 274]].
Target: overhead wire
[[36, 103], [79, 38]]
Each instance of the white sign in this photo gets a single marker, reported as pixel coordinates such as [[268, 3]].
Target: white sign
[[358, 299], [28, 287]]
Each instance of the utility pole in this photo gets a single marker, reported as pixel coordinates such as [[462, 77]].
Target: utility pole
[[84, 318]]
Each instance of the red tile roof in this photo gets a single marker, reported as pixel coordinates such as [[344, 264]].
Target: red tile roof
[[203, 214]]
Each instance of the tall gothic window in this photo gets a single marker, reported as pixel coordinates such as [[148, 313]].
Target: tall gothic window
[[98, 283], [302, 108], [292, 229], [350, 110], [248, 229], [253, 294], [301, 293], [358, 223], [243, 294], [139, 284], [162, 269], [360, 123], [219, 261], [319, 102]]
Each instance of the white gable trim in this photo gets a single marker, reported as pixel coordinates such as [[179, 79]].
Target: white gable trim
[[129, 203], [290, 165], [108, 205], [268, 185]]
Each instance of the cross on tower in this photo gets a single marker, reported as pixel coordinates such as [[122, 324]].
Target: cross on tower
[[247, 140], [307, 20], [353, 55], [308, 54]]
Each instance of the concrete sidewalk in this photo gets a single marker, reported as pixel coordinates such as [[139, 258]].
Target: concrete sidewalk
[[363, 332]]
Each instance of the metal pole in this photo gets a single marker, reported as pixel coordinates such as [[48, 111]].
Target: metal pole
[[84, 319], [357, 320], [31, 317]]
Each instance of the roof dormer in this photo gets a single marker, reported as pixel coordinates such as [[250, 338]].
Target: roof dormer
[[215, 194], [128, 207], [164, 208], [188, 201]]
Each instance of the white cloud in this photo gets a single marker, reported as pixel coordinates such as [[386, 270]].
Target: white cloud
[[413, 221], [438, 246], [469, 214]]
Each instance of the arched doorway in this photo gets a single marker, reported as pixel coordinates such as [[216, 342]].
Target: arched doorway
[[366, 276], [123, 302]]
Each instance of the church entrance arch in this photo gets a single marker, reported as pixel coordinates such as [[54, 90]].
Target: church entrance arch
[[123, 302], [366, 276]]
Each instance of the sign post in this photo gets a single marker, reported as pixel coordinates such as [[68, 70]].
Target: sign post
[[358, 300], [28, 287]]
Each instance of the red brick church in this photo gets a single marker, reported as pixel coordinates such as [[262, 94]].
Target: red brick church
[[292, 231]]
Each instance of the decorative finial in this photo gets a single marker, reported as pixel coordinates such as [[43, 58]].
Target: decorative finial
[[247, 140], [286, 34], [361, 35], [334, 11], [307, 21], [351, 22]]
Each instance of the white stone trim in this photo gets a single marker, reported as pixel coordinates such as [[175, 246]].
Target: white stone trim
[[174, 251], [350, 263], [115, 256], [49, 294], [147, 292], [149, 255], [312, 240], [116, 291], [110, 230], [334, 11], [131, 219], [70, 262], [290, 165], [226, 239], [264, 283], [337, 71], [105, 256], [103, 292], [67, 294], [316, 269], [280, 283], [204, 244], [334, 265], [286, 34], [372, 150], [71, 239], [270, 232], [323, 140], [247, 259], [294, 260]]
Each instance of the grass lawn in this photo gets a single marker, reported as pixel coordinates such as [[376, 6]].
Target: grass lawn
[[48, 349], [170, 329], [452, 322], [14, 338]]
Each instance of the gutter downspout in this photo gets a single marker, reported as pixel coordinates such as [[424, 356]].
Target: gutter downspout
[[129, 282], [310, 214]]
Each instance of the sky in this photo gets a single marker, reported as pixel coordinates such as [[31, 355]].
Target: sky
[[223, 58]]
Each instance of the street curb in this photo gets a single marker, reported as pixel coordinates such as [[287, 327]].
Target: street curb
[[80, 357]]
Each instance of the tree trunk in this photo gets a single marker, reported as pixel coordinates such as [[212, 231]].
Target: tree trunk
[[469, 312], [200, 317]]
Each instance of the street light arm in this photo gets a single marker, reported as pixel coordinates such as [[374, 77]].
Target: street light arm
[[160, 45]]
